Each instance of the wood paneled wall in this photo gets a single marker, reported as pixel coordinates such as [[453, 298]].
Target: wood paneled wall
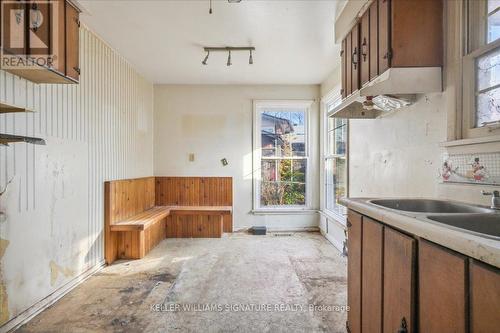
[[123, 199], [195, 191]]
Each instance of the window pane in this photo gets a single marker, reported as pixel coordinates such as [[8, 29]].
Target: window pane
[[488, 107], [492, 5], [283, 182], [493, 26], [336, 183], [340, 136], [488, 70], [283, 132]]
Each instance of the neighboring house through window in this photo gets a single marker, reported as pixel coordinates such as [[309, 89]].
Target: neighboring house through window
[[281, 155]]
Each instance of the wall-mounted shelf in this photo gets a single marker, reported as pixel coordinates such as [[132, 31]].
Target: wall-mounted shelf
[[10, 108], [5, 139]]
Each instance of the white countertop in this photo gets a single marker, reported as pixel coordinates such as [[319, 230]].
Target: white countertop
[[481, 248]]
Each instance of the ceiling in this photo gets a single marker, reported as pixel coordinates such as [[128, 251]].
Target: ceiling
[[164, 40]]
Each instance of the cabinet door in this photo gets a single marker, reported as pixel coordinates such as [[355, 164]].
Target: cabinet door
[[365, 48], [373, 42], [384, 47], [371, 278], [39, 29], [442, 289], [14, 24], [354, 240], [484, 298], [348, 57], [57, 42], [72, 42], [355, 58], [343, 67], [399, 281]]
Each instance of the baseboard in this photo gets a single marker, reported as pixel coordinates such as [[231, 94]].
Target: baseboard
[[284, 229], [338, 245], [38, 307]]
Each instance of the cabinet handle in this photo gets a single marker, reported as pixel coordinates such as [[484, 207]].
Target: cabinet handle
[[77, 70], [403, 328], [364, 49], [349, 224], [355, 58], [77, 22], [34, 6]]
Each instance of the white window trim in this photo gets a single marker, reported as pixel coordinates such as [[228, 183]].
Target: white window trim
[[463, 75], [331, 97], [256, 156]]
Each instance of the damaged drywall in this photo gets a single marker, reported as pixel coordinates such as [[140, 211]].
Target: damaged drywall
[[4, 297], [57, 270]]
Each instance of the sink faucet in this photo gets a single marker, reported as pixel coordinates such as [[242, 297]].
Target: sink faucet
[[495, 199]]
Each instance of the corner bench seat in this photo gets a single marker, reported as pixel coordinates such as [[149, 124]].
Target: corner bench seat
[[145, 219]]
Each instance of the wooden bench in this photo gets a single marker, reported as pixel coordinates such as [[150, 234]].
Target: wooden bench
[[137, 219]]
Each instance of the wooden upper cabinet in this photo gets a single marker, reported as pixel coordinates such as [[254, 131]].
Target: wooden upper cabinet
[[416, 33], [442, 289], [72, 42], [484, 298], [348, 57], [384, 47], [355, 58], [48, 33], [373, 42], [343, 67], [365, 48], [14, 30], [354, 245], [371, 277], [399, 281]]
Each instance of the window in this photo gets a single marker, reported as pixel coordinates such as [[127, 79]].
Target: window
[[335, 162], [482, 68], [281, 139]]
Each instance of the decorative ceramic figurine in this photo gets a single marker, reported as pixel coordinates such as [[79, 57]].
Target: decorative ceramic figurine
[[478, 170]]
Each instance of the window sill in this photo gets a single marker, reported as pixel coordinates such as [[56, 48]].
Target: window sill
[[284, 211], [471, 141]]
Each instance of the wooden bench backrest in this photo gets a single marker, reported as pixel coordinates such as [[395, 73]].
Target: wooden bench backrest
[[196, 191], [129, 197]]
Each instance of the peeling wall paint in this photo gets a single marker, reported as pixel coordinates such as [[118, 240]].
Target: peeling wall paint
[[4, 297], [100, 129]]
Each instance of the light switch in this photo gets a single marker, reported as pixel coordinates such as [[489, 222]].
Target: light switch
[[191, 157]]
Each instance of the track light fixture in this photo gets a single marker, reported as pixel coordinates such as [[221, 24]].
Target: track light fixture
[[229, 49], [204, 62]]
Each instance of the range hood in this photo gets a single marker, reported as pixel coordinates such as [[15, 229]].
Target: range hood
[[393, 89]]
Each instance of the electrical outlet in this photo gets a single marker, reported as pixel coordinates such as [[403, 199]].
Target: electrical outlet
[[191, 157]]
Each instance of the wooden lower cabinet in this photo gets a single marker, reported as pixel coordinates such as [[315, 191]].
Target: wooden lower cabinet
[[354, 243], [450, 293], [399, 281], [371, 278], [484, 298], [442, 289]]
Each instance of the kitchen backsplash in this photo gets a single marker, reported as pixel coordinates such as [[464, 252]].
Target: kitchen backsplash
[[481, 169]]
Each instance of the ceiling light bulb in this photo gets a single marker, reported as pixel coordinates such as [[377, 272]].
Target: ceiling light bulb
[[204, 62], [229, 63], [250, 60]]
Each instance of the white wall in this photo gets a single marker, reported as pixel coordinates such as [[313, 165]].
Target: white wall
[[214, 122], [97, 130]]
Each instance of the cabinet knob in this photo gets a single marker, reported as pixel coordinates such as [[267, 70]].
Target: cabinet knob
[[349, 224], [355, 58], [364, 49], [77, 69], [403, 328]]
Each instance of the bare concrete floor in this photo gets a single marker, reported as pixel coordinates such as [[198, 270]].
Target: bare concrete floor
[[211, 285]]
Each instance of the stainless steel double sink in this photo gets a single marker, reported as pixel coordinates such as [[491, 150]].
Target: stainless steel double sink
[[477, 220]]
